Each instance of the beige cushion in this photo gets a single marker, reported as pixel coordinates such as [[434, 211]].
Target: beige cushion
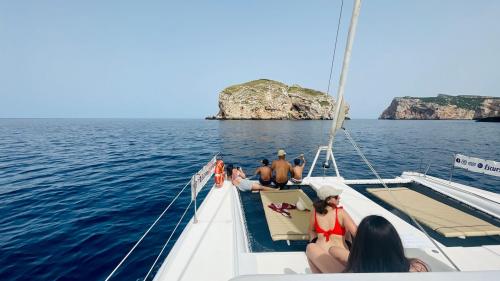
[[440, 217], [281, 227]]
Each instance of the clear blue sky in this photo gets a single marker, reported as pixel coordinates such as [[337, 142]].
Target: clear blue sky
[[165, 59]]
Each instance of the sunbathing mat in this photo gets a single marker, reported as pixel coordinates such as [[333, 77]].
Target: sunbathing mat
[[440, 217], [281, 227]]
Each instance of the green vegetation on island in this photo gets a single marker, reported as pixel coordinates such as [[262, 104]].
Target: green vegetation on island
[[461, 107]]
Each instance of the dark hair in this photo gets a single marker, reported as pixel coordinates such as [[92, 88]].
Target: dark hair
[[320, 205], [229, 170], [377, 247], [296, 161], [265, 162]]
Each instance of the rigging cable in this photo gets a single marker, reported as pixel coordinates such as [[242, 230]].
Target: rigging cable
[[333, 55], [356, 147], [335, 48]]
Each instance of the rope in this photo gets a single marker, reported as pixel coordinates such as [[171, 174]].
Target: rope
[[335, 48], [463, 190], [348, 135], [168, 240], [146, 233]]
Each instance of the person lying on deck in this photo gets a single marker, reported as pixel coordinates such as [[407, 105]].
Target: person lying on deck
[[377, 247], [265, 173], [328, 228], [297, 169], [238, 178]]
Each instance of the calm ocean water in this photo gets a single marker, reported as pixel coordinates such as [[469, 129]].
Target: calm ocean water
[[76, 194]]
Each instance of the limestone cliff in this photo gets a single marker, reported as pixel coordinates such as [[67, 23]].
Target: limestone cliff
[[461, 107], [268, 99]]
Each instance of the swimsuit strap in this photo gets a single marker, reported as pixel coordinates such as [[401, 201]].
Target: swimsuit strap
[[338, 229]]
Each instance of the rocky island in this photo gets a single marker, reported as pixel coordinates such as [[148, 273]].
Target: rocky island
[[442, 107], [272, 100]]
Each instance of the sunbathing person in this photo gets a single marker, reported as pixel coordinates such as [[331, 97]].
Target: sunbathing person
[[328, 228], [238, 178], [297, 169], [377, 247], [281, 168], [265, 173]]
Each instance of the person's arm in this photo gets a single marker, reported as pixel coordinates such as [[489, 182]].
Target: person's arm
[[349, 224], [303, 161], [257, 171], [312, 233], [242, 174], [290, 168], [417, 265]]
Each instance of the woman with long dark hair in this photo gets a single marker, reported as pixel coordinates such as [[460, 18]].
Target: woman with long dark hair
[[328, 228], [377, 247]]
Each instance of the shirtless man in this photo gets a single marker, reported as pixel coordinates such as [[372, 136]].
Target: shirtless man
[[238, 178], [281, 168], [298, 169], [265, 173]]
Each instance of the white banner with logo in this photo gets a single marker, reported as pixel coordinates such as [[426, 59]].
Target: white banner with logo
[[477, 165], [201, 178]]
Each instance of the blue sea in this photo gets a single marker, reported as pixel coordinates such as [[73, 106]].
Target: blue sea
[[76, 194]]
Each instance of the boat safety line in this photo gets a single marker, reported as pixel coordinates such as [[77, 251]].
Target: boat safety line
[[146, 233], [356, 147], [461, 190], [168, 240], [203, 234]]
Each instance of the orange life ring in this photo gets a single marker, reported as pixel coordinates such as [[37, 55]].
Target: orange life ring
[[219, 173]]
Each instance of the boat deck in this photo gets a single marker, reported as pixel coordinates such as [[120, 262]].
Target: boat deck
[[206, 248], [218, 248]]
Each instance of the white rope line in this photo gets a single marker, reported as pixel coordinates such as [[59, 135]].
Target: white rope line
[[168, 240], [146, 233], [462, 190], [394, 197]]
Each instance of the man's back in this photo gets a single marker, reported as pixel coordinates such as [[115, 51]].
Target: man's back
[[265, 172], [297, 172], [281, 167]]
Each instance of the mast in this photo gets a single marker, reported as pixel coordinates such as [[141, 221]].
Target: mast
[[338, 118]]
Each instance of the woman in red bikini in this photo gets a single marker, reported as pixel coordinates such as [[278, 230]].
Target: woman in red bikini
[[328, 226]]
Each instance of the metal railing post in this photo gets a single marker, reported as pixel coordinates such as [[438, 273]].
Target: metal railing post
[[452, 167], [427, 169], [194, 192], [334, 163], [314, 162]]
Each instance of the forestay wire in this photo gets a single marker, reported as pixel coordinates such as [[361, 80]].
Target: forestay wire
[[335, 48], [147, 231], [356, 147]]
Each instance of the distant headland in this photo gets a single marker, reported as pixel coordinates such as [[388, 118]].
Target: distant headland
[[265, 99], [443, 107]]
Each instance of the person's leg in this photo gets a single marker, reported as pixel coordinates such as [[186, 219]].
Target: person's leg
[[280, 185], [264, 183], [321, 260], [310, 249], [256, 186], [339, 254]]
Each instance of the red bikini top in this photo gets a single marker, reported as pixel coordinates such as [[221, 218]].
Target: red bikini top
[[337, 229]]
